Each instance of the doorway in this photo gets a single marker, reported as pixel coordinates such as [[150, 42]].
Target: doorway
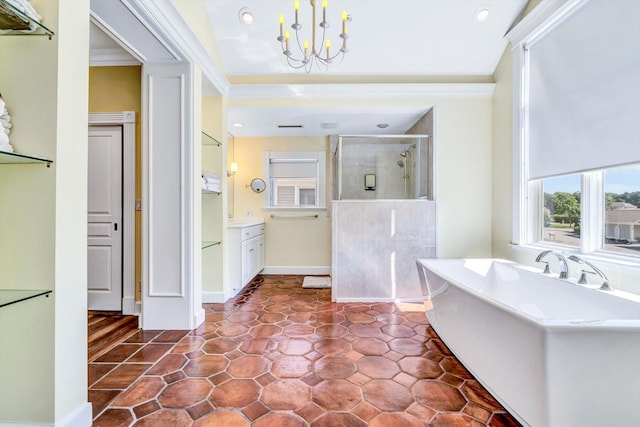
[[104, 217], [111, 212]]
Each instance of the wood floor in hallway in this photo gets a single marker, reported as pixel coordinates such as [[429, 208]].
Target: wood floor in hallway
[[107, 329], [279, 355]]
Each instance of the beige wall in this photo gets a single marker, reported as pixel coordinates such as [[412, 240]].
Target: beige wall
[[214, 206], [288, 242], [463, 177], [502, 179], [463, 169], [43, 230], [195, 15], [115, 89]]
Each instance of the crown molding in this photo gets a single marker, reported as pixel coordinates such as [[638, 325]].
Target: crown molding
[[164, 19], [373, 90], [111, 57], [542, 18]]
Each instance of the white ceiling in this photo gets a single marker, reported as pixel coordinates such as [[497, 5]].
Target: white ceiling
[[386, 38], [410, 40], [318, 121]]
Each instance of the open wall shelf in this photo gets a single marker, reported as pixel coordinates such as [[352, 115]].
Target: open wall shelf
[[15, 158], [208, 244], [12, 296], [209, 140], [16, 23]]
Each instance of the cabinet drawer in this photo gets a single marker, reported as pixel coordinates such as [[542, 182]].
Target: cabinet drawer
[[253, 231]]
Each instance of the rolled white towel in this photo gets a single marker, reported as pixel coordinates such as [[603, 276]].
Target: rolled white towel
[[211, 187], [26, 8], [211, 177]]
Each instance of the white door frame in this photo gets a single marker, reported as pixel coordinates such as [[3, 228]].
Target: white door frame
[[126, 119]]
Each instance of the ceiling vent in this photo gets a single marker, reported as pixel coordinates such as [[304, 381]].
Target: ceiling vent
[[329, 125], [290, 126]]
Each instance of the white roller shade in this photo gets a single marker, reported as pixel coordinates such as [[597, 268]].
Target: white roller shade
[[294, 169], [584, 91]]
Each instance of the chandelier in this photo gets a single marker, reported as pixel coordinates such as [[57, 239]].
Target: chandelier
[[307, 55]]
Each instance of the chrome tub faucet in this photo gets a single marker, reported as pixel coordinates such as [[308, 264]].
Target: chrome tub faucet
[[605, 286], [564, 266]]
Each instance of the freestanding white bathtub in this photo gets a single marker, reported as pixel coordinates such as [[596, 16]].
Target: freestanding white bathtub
[[554, 353]]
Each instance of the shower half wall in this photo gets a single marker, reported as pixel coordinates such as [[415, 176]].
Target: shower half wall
[[381, 225]]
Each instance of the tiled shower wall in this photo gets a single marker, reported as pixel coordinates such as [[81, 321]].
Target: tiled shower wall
[[379, 159], [374, 247]]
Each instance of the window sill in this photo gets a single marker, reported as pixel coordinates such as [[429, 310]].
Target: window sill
[[622, 262]]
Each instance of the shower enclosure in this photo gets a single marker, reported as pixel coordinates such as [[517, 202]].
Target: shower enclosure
[[383, 167], [383, 216]]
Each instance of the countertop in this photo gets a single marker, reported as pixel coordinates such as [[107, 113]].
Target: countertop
[[244, 222]]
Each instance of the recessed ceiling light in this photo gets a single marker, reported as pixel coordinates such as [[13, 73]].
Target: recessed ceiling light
[[236, 125], [482, 14], [383, 125], [245, 16]]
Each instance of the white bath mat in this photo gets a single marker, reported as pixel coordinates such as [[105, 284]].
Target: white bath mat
[[316, 282]]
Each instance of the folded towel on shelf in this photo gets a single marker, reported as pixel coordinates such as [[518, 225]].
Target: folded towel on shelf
[[211, 187], [4, 144], [26, 8], [211, 177]]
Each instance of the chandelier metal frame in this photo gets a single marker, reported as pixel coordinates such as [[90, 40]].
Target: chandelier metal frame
[[308, 58]]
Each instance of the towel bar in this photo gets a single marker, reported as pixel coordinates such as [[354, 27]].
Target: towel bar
[[274, 216]]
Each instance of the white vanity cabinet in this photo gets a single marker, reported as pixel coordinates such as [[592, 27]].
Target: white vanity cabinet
[[246, 252]]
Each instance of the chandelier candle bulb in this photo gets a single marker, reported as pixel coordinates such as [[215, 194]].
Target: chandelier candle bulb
[[286, 39], [281, 22], [296, 7], [328, 47], [324, 14], [306, 47]]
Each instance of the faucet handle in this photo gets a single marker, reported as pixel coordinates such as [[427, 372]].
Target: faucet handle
[[547, 269], [583, 277]]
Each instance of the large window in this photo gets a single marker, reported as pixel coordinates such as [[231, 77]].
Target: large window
[[561, 216], [622, 210], [296, 179], [611, 202], [577, 163]]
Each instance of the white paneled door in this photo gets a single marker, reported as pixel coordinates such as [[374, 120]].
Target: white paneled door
[[104, 251]]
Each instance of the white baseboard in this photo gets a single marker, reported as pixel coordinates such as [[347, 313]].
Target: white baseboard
[[365, 299], [129, 305], [81, 417], [198, 318], [211, 297], [297, 270]]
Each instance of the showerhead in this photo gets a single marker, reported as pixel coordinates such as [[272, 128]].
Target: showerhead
[[405, 152]]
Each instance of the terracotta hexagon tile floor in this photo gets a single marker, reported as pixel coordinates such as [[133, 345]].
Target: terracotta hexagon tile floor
[[279, 355]]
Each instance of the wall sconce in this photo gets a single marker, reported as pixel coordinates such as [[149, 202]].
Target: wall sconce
[[233, 168]]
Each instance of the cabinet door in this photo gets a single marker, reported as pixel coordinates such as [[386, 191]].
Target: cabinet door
[[246, 261], [260, 265], [253, 257]]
